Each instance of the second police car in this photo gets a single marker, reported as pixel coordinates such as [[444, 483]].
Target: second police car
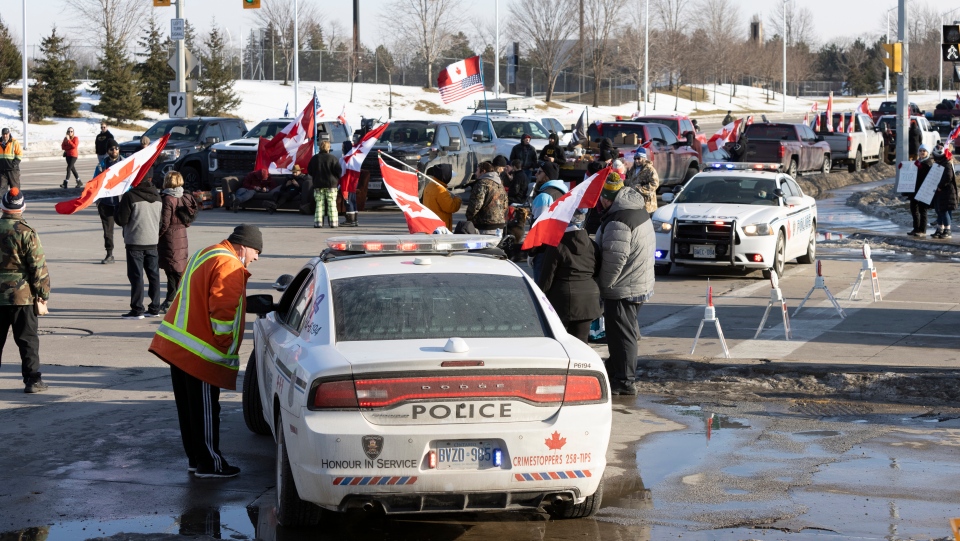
[[420, 373], [744, 215]]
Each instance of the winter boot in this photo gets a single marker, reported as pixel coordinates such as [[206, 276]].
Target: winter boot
[[79, 183], [352, 219], [938, 234], [946, 233], [64, 185]]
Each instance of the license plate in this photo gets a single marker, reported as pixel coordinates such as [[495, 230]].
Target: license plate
[[464, 455], [374, 185], [707, 251]]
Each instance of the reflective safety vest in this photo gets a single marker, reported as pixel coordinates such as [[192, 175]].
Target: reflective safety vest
[[203, 328]]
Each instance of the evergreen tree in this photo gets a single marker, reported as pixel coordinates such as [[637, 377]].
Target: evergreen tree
[[10, 59], [215, 88], [117, 85], [153, 72], [54, 71], [41, 101]]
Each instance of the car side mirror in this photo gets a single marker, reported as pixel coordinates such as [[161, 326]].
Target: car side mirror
[[676, 189], [454, 145], [283, 282], [667, 197], [477, 136], [260, 304], [778, 192], [212, 140]]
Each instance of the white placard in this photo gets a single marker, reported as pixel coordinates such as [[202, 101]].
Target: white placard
[[177, 29], [907, 177], [929, 187]]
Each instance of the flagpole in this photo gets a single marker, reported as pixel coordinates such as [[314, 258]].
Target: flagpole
[[316, 125], [415, 170], [486, 109]]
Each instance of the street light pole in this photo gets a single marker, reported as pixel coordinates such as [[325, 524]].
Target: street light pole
[[496, 51], [903, 78], [23, 101], [296, 57], [784, 96], [646, 56], [886, 69]]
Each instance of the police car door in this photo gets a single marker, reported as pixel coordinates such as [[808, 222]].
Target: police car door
[[289, 347], [799, 220]]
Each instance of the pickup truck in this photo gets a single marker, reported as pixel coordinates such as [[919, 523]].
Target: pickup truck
[[890, 108], [508, 129], [794, 146], [421, 144], [236, 158], [888, 127], [863, 144], [674, 159], [680, 124]]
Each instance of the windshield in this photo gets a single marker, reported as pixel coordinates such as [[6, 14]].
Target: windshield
[[514, 129], [888, 124], [179, 130], [267, 128], [888, 107], [727, 190], [408, 133], [672, 124], [612, 129], [775, 132], [419, 306]]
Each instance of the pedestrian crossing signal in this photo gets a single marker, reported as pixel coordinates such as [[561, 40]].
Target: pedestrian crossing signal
[[251, 4], [894, 59], [161, 3]]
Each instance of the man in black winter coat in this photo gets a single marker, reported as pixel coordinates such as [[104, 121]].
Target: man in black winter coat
[[553, 152], [516, 183], [526, 154], [102, 140], [913, 140], [918, 209]]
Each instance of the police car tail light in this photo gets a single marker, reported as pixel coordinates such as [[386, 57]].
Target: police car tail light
[[537, 389], [412, 243], [335, 395], [582, 389]]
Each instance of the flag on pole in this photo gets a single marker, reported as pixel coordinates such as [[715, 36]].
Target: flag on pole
[[402, 187], [829, 112], [350, 163], [727, 134], [954, 134], [342, 117], [549, 227], [853, 122], [116, 179], [749, 120], [316, 140], [816, 125], [460, 79], [840, 124], [580, 131], [293, 145], [864, 106]]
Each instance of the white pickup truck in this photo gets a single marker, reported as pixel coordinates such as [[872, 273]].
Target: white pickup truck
[[853, 147]]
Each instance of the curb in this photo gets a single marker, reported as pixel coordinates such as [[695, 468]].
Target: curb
[[906, 242]]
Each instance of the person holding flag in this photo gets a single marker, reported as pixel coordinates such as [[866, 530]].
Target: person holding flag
[[350, 165], [107, 206]]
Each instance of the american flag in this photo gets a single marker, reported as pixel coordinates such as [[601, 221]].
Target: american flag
[[460, 79]]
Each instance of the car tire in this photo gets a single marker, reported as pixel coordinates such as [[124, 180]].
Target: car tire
[[777, 258], [882, 156], [191, 179], [857, 164], [252, 405], [792, 169], [661, 270], [811, 255], [691, 171], [588, 508], [291, 510], [825, 167]]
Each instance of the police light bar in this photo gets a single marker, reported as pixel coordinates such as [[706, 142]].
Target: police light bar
[[412, 243], [742, 166]]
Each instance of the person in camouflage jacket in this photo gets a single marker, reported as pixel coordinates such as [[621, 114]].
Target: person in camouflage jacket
[[23, 280], [643, 177], [488, 202]]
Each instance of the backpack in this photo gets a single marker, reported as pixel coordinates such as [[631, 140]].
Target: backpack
[[184, 213]]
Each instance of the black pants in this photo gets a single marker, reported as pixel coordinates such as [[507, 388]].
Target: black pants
[[71, 168], [579, 329], [287, 194], [24, 322], [138, 262], [173, 282], [9, 179], [918, 211], [623, 333], [107, 213], [198, 410]]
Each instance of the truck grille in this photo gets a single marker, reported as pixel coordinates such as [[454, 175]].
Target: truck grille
[[692, 236], [236, 160]]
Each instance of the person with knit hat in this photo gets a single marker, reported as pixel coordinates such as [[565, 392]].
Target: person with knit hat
[[643, 177], [627, 245], [24, 284], [918, 209], [139, 215], [199, 338]]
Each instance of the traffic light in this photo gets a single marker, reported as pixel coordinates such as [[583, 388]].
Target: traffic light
[[161, 3], [894, 59], [251, 4]]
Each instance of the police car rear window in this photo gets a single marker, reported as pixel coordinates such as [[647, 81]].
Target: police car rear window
[[422, 306]]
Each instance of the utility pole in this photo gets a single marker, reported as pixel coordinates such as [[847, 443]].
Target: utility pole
[[784, 96], [496, 51], [24, 100], [181, 56], [886, 83], [583, 64], [646, 56], [903, 78], [296, 57]]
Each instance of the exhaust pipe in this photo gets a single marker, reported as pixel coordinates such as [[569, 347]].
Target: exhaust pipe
[[368, 506]]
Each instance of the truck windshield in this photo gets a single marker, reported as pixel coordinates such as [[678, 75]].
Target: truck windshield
[[729, 190], [179, 130], [772, 132], [434, 305], [408, 133], [674, 125], [514, 129], [266, 129]]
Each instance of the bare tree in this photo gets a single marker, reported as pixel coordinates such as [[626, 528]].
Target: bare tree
[[722, 24], [671, 17], [545, 24], [429, 23], [601, 19], [800, 25], [103, 21], [278, 14]]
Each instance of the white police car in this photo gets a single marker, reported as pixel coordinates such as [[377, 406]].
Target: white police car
[[745, 215], [421, 373]]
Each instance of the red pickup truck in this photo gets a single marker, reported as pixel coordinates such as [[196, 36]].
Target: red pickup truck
[[795, 146]]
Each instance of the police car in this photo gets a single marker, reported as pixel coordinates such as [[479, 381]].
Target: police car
[[420, 373], [744, 215]]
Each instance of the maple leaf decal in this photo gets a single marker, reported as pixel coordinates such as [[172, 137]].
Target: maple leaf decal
[[555, 442]]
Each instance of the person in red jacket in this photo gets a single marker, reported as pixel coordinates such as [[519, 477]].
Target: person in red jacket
[[70, 146], [200, 337]]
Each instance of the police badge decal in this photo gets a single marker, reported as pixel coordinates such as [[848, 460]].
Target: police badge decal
[[372, 446]]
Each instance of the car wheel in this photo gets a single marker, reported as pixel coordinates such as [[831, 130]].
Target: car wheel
[[792, 169], [291, 510], [825, 167], [857, 164], [691, 171], [191, 179], [661, 270], [252, 405], [777, 258], [811, 255], [882, 157], [588, 508]]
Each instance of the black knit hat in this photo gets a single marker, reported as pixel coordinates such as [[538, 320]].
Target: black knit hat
[[500, 161], [551, 170], [112, 143], [247, 235], [12, 201]]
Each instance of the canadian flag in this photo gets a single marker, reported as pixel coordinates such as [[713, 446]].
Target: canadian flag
[[749, 120], [402, 186], [829, 112], [343, 115], [954, 134], [351, 161], [840, 124], [727, 134], [292, 146], [117, 179], [864, 106], [816, 124], [549, 227]]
